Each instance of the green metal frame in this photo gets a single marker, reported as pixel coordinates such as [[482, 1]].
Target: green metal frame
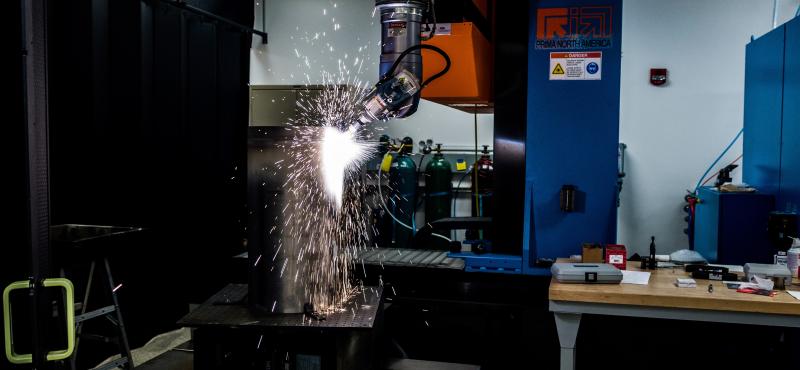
[[69, 301]]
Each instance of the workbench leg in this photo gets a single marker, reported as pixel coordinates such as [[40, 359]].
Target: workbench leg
[[567, 325]]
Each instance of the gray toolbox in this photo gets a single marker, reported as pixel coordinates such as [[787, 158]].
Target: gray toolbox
[[590, 273], [779, 274]]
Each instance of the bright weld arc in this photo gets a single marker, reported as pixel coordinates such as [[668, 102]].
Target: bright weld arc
[[325, 192]]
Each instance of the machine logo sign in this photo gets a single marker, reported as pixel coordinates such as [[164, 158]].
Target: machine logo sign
[[592, 68], [574, 28]]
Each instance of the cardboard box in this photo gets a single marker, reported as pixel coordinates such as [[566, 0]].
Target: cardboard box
[[592, 253]]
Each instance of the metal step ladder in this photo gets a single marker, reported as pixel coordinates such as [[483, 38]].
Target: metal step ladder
[[111, 313]]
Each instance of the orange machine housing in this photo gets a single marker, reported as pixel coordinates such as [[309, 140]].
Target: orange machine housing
[[469, 79]]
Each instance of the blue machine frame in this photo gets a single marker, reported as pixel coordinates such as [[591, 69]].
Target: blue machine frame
[[572, 137], [763, 102], [790, 150], [772, 114]]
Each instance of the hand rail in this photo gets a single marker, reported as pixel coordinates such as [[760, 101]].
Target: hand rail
[[69, 302]]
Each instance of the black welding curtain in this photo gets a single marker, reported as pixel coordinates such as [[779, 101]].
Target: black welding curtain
[[148, 128]]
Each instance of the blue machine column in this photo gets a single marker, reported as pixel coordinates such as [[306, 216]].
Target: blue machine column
[[573, 125], [772, 115], [763, 101], [789, 195]]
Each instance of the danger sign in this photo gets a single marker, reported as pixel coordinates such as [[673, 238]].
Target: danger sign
[[576, 65]]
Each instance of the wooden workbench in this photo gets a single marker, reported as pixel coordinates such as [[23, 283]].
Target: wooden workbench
[[662, 299]]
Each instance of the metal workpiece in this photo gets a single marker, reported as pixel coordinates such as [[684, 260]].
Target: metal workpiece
[[271, 249], [298, 257], [273, 294]]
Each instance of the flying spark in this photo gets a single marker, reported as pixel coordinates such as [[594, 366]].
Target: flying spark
[[323, 210]]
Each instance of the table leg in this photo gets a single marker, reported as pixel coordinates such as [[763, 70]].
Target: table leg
[[567, 325]]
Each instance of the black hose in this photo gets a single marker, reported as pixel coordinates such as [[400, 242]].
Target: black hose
[[441, 52], [419, 167]]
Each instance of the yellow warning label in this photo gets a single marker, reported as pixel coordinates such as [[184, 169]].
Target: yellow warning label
[[558, 70], [461, 165]]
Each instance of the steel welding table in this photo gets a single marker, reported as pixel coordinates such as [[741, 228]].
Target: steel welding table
[[344, 340], [661, 299]]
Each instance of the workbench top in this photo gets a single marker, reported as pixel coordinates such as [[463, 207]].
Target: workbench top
[[662, 292]]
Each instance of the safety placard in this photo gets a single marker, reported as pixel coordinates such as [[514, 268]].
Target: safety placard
[[576, 65]]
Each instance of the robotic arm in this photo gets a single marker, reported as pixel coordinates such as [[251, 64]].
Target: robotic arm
[[397, 93]]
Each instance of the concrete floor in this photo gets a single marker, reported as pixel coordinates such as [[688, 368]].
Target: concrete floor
[[178, 358], [181, 358]]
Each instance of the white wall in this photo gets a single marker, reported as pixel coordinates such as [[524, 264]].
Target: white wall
[[675, 132], [308, 26]]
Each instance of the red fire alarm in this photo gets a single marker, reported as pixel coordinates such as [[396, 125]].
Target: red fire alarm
[[658, 76]]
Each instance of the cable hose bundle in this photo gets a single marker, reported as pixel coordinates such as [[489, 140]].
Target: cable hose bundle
[[396, 63]]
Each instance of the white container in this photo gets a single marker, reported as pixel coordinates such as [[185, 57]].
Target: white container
[[793, 262]]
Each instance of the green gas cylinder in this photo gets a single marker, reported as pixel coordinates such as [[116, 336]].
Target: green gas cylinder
[[402, 199], [438, 189]]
